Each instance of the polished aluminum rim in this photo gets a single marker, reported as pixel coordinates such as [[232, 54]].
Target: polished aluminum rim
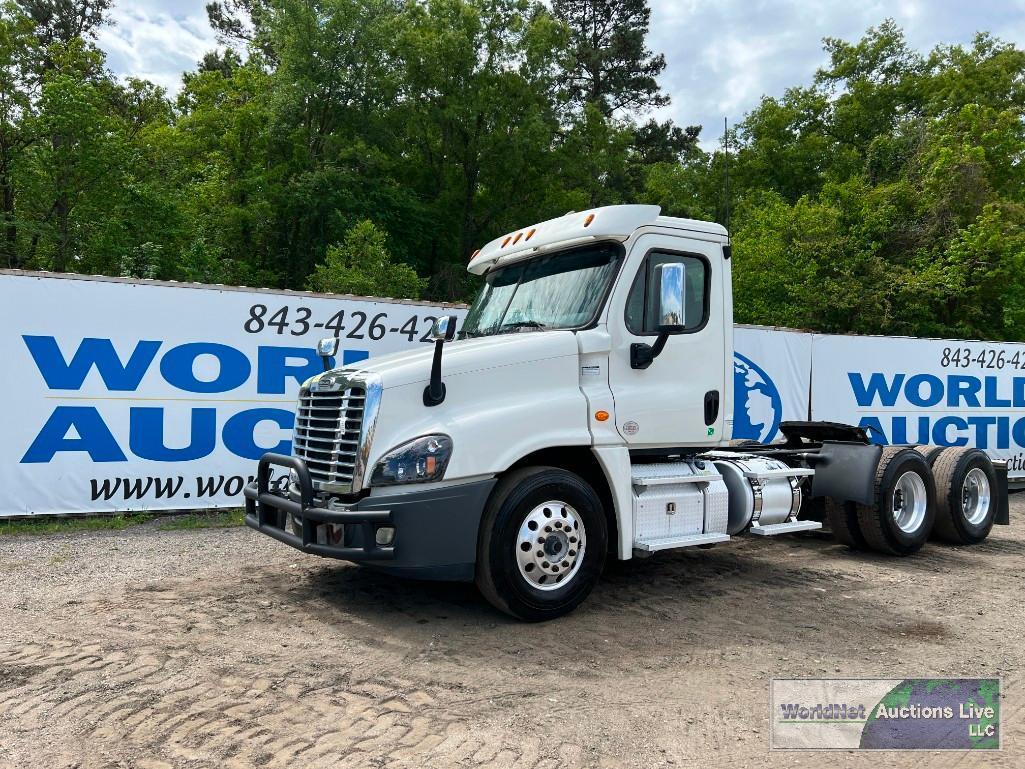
[[975, 496], [550, 545], [909, 502]]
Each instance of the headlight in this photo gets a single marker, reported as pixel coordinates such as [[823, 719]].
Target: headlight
[[421, 460]]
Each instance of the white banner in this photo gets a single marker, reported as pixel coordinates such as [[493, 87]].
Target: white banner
[[146, 396], [771, 381], [141, 396], [929, 391]]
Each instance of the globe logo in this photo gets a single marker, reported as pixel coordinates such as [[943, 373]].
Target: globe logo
[[757, 406]]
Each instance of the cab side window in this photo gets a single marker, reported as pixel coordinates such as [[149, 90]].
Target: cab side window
[[642, 303]]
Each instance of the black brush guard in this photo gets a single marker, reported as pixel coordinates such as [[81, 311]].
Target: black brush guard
[[266, 511]]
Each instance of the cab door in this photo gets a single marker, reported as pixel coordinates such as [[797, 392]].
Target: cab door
[[679, 399]]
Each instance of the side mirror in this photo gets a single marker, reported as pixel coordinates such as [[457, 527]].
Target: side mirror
[[671, 314], [327, 348], [444, 328], [671, 300]]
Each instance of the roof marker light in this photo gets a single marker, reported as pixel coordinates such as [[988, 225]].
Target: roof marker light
[[506, 241], [530, 234], [474, 254], [517, 238], [588, 220]]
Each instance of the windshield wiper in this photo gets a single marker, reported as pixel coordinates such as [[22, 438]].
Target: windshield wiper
[[524, 324]]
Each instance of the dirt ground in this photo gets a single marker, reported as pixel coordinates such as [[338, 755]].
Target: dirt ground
[[149, 648]]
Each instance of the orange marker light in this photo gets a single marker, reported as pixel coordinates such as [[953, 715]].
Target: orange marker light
[[588, 220], [517, 238], [474, 254], [601, 416], [506, 241], [530, 234]]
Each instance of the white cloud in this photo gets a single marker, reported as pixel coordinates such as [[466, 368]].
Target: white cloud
[[157, 39], [723, 55]]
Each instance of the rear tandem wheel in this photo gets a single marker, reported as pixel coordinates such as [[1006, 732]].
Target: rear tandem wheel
[[900, 519]]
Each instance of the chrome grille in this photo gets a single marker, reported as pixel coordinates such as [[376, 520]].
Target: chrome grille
[[328, 427]]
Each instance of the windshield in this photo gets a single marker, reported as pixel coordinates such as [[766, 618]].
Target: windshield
[[562, 290]]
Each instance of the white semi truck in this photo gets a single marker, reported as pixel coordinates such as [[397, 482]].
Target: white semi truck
[[581, 415]]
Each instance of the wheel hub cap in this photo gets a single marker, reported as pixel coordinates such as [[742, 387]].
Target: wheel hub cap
[[556, 545], [550, 545], [909, 502], [975, 496]]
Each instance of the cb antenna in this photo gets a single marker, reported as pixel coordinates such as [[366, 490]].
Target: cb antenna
[[726, 180]]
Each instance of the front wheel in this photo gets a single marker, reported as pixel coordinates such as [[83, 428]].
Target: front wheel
[[542, 544]]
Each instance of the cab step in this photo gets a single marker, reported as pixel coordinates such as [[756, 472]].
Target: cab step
[[688, 540], [787, 527]]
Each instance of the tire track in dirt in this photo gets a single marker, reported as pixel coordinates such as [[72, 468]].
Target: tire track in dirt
[[154, 702]]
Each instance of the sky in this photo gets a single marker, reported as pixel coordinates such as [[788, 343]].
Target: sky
[[722, 56]]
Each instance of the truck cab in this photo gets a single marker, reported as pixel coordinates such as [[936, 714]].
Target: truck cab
[[583, 413]]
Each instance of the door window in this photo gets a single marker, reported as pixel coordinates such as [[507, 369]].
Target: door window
[[642, 303]]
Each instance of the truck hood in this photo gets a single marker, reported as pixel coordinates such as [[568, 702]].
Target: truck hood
[[468, 355]]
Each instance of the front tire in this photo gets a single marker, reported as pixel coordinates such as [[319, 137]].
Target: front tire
[[901, 518], [542, 544]]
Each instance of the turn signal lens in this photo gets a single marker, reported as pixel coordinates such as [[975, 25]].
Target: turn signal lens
[[601, 416]]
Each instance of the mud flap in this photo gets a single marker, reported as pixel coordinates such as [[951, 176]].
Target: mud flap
[[846, 472], [1003, 516]]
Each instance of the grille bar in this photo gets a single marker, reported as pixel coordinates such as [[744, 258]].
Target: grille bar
[[327, 434]]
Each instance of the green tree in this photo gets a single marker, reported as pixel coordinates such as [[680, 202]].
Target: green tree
[[478, 113], [611, 66], [19, 51], [216, 156], [362, 265]]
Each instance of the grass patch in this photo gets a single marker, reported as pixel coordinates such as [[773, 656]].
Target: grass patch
[[215, 519], [48, 525], [58, 558]]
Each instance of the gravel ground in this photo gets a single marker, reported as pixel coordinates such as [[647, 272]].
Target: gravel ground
[[148, 648]]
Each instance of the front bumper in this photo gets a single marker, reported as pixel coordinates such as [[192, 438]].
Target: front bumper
[[435, 530]]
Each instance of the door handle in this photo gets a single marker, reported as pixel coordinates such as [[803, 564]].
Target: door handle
[[711, 407]]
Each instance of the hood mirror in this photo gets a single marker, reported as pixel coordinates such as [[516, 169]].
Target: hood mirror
[[443, 330], [327, 348]]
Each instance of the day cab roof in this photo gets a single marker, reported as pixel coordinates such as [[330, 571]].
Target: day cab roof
[[578, 228]]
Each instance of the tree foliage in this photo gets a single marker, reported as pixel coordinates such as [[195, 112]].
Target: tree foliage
[[887, 198], [362, 265], [610, 65], [352, 145]]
